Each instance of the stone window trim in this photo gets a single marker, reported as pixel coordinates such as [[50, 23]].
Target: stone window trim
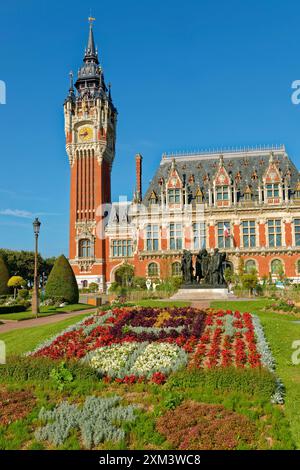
[[282, 232], [217, 226], [202, 231], [176, 238], [121, 243], [152, 232], [85, 246], [256, 234], [217, 190], [177, 194]]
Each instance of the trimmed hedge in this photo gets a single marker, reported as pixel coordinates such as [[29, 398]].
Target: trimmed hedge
[[21, 368], [12, 309], [4, 277], [62, 282], [249, 381]]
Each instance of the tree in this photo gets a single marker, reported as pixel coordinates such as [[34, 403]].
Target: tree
[[250, 281], [16, 282], [61, 283], [21, 263], [93, 287], [124, 275], [4, 277], [241, 267]]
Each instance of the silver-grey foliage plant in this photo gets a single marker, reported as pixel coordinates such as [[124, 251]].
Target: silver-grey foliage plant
[[98, 420]]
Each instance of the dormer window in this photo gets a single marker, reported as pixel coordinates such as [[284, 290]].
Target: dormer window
[[272, 190], [222, 193], [153, 198], [174, 196], [199, 196]]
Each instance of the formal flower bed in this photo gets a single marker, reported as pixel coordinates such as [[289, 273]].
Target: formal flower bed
[[136, 344]]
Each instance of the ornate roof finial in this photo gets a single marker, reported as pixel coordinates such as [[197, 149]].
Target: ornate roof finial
[[91, 54], [71, 89], [221, 160]]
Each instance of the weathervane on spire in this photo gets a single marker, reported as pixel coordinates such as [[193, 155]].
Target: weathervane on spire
[[91, 19]]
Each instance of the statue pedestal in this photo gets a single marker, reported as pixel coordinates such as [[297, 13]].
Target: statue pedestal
[[202, 293]]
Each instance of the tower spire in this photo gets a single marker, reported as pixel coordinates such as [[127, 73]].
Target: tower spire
[[91, 54]]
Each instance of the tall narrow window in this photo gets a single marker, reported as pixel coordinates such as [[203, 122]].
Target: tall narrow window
[[250, 266], [274, 232], [297, 231], [199, 235], [249, 238], [152, 237], [85, 248], [152, 269], [175, 236], [224, 235], [176, 269], [277, 267], [174, 196]]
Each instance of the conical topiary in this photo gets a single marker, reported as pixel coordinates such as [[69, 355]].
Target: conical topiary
[[4, 277], [62, 282]]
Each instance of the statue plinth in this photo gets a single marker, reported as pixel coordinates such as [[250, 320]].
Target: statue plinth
[[197, 293]]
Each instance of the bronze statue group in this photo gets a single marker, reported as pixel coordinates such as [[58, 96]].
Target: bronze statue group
[[208, 270]]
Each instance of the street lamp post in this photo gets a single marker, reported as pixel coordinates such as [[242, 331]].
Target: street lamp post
[[35, 297]]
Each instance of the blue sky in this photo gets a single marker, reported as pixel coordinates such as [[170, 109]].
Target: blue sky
[[185, 75]]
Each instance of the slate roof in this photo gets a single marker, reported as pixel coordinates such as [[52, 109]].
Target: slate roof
[[204, 166]]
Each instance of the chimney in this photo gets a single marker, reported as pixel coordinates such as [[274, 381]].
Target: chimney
[[138, 173]]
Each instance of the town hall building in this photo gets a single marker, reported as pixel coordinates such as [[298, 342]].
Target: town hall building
[[243, 201]]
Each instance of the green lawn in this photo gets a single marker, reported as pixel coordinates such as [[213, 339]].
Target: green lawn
[[45, 312], [280, 332], [20, 341]]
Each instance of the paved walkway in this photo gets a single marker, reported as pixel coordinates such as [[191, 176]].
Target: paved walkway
[[10, 325]]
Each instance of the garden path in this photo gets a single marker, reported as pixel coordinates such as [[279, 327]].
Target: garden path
[[9, 325]]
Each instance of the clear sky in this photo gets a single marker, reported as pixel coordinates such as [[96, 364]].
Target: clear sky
[[185, 75]]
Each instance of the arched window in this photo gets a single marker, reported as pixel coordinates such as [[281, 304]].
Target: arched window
[[276, 267], [85, 248], [250, 265], [84, 284], [153, 270], [176, 269]]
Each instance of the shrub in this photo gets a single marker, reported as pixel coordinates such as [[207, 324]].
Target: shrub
[[29, 368], [250, 381], [23, 294], [4, 277], [61, 375], [206, 427], [139, 282], [62, 282], [93, 287], [12, 308], [16, 282]]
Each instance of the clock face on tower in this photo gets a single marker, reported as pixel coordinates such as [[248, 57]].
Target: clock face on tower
[[85, 134]]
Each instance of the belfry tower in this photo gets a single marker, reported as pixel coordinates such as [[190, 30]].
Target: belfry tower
[[90, 129]]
